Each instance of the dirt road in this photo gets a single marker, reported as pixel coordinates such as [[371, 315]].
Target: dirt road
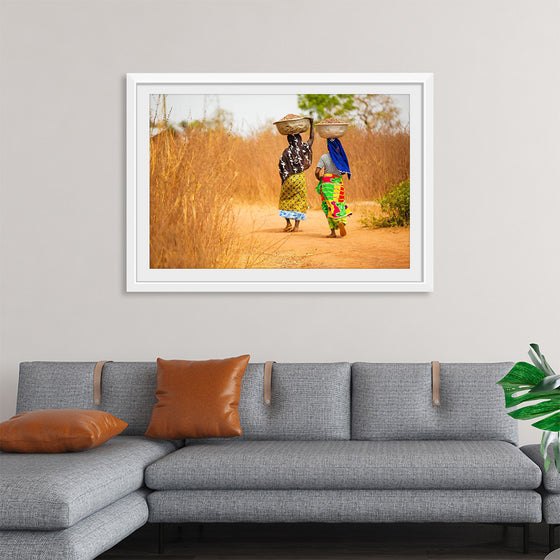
[[310, 248]]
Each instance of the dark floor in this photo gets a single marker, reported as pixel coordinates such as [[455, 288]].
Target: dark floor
[[333, 542]]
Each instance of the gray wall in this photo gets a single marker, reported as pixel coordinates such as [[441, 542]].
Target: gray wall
[[497, 180]]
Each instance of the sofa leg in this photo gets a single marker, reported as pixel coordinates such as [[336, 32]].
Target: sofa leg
[[525, 538], [161, 538], [551, 544]]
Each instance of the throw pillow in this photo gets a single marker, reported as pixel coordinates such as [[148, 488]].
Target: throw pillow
[[197, 399], [58, 431]]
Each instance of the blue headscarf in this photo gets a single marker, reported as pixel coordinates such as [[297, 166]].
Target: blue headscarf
[[338, 156]]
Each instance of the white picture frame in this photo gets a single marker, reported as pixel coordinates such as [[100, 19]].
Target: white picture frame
[[418, 278]]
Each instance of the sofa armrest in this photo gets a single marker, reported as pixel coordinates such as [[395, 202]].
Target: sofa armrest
[[551, 479]]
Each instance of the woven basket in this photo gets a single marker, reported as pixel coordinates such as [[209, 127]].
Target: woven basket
[[332, 130], [293, 126]]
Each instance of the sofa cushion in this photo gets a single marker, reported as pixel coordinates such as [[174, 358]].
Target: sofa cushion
[[309, 402], [58, 430], [197, 399], [85, 540], [394, 401], [345, 465], [54, 491]]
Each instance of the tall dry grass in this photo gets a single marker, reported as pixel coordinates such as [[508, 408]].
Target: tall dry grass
[[198, 179], [377, 160], [191, 186]]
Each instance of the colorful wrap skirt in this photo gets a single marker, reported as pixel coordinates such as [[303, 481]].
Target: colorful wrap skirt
[[331, 189], [293, 197]]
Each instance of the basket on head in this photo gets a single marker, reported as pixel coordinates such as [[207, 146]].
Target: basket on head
[[292, 124], [331, 128]]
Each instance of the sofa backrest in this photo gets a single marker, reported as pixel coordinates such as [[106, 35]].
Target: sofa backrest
[[394, 401], [309, 401], [127, 389]]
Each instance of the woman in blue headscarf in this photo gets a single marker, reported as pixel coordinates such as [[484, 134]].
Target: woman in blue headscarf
[[329, 172]]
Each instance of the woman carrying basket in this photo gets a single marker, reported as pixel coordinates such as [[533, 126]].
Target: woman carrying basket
[[295, 159], [330, 169]]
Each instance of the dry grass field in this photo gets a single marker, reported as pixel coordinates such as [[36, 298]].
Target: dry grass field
[[200, 181]]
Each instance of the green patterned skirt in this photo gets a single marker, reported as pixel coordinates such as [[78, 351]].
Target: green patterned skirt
[[331, 189]]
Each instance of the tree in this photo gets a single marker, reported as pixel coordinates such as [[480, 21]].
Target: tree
[[376, 111], [220, 118], [371, 111], [322, 106]]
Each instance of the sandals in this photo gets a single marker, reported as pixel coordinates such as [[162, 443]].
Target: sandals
[[342, 229], [288, 228]]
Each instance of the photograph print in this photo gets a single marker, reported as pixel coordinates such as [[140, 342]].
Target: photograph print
[[247, 184]]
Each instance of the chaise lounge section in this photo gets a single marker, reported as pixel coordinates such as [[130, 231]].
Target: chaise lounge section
[[77, 505]]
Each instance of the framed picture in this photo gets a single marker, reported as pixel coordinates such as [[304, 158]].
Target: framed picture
[[280, 182]]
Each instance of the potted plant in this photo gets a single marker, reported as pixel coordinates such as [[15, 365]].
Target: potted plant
[[526, 383]]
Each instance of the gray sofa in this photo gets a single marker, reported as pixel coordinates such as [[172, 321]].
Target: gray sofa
[[340, 443]]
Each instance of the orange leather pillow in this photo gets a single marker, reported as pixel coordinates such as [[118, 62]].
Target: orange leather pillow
[[197, 399], [58, 431]]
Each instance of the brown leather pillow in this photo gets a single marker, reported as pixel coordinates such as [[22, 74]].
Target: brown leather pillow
[[197, 399], [58, 431]]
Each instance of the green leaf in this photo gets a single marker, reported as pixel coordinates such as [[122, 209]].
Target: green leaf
[[536, 361], [545, 363], [525, 383], [547, 384], [547, 437], [535, 410], [539, 361], [549, 442], [556, 451], [514, 397], [550, 423], [521, 375], [535, 347]]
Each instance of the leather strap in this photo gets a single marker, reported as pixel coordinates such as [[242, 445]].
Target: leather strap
[[435, 384], [97, 370], [268, 383]]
